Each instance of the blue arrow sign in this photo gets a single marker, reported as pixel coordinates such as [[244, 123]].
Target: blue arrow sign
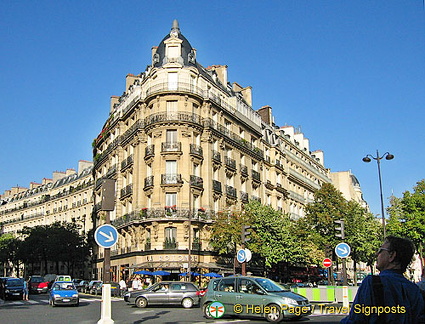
[[241, 256], [106, 236], [342, 250]]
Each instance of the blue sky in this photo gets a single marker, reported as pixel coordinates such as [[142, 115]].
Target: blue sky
[[351, 74]]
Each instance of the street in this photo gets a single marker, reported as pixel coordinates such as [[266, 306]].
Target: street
[[37, 310]]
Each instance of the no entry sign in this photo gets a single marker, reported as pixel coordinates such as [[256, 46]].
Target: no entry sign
[[327, 263]]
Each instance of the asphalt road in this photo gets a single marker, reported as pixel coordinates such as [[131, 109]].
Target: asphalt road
[[37, 310]]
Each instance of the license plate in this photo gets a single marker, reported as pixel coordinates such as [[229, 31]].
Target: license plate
[[66, 300], [16, 294]]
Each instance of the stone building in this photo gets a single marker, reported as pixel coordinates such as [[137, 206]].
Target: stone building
[[182, 144], [67, 196]]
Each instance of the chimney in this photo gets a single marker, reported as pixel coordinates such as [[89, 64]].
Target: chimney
[[57, 175], [265, 113], [114, 100], [69, 172], [82, 165], [129, 80], [221, 71]]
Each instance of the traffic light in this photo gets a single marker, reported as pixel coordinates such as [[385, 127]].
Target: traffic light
[[340, 230], [245, 233]]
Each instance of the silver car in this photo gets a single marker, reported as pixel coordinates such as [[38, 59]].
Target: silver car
[[165, 292], [253, 297]]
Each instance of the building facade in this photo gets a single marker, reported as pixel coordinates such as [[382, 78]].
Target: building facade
[[182, 144], [67, 196]]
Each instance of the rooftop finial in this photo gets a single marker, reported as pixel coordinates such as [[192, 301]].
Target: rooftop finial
[[175, 27]]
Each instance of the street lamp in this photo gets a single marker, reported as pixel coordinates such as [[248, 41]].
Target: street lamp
[[378, 159]]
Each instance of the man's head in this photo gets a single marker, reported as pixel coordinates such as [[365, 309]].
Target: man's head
[[396, 253]]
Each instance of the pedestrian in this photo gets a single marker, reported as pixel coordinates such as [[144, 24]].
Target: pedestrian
[[123, 286], [25, 291], [389, 297], [137, 283], [421, 284]]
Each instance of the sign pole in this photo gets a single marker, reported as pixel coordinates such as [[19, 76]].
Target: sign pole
[[107, 256]]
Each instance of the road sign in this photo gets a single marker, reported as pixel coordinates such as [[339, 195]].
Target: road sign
[[327, 263], [106, 236], [248, 254], [342, 250], [241, 256]]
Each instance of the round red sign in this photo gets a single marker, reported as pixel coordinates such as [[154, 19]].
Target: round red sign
[[327, 263]]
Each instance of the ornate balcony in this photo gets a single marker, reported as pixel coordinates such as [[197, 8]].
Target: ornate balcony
[[196, 150], [128, 162], [230, 163], [196, 182], [149, 152], [171, 148], [255, 176], [126, 191], [171, 179], [217, 186], [148, 183], [231, 192]]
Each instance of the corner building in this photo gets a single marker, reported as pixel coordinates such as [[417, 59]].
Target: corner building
[[182, 144]]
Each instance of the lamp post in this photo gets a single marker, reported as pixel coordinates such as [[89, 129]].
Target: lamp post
[[378, 159]]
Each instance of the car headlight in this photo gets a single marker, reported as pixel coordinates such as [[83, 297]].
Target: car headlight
[[75, 295], [6, 291], [289, 301], [56, 296]]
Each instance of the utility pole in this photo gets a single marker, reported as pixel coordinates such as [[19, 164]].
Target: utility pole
[[341, 235]]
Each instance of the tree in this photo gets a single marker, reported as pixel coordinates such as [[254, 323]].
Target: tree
[[407, 217], [10, 250]]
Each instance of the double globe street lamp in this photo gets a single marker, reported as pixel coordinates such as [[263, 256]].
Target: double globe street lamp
[[378, 159]]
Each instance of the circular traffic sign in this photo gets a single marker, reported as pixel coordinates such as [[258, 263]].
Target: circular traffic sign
[[342, 250], [327, 262], [241, 256], [248, 254], [106, 236]]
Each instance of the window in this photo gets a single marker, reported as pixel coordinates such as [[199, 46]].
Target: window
[[171, 167], [170, 199], [172, 81], [227, 285], [173, 51], [172, 106], [171, 136], [171, 233]]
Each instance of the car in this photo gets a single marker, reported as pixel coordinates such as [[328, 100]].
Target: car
[[97, 289], [89, 287], [165, 293], [82, 285], [12, 288], [254, 297], [63, 293], [63, 278], [37, 284]]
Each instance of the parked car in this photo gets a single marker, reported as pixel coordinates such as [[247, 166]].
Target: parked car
[[165, 292], [37, 284], [82, 285], [12, 288], [63, 293], [97, 289], [275, 301], [90, 286]]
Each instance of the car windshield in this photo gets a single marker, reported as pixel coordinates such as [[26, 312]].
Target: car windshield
[[37, 279], [14, 282], [270, 285], [63, 286]]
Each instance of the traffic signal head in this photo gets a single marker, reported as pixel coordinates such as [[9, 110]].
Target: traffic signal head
[[246, 233], [340, 230]]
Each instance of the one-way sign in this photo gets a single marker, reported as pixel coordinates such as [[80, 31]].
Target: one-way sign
[[342, 250], [106, 236]]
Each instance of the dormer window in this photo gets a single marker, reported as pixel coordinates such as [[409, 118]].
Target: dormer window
[[173, 51]]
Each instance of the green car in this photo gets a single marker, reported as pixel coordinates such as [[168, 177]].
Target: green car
[[253, 297]]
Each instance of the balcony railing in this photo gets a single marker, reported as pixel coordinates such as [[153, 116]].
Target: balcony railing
[[230, 163], [216, 156], [255, 176], [217, 186], [149, 151], [166, 117], [127, 163], [126, 191], [244, 170], [196, 150], [171, 179], [231, 191], [168, 147], [170, 244], [148, 182], [196, 181], [244, 196]]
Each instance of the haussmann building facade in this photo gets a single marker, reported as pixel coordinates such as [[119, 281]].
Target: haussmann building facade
[[182, 144]]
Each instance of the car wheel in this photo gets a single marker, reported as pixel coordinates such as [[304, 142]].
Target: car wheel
[[275, 314], [187, 302], [141, 302], [205, 310]]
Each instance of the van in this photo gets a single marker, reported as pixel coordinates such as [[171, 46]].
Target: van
[[63, 278]]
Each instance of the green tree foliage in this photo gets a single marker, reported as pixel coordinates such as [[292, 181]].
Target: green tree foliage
[[407, 216], [226, 232], [10, 248]]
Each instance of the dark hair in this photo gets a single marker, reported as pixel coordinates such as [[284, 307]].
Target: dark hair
[[404, 249]]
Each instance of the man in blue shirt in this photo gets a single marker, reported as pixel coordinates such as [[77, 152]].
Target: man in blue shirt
[[389, 298]]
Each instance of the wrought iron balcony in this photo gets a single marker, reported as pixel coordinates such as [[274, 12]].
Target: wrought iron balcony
[[230, 163], [231, 192], [148, 182], [244, 196], [216, 156], [127, 163], [149, 151], [196, 182], [244, 170], [217, 186], [255, 176], [171, 147], [171, 179], [126, 191], [196, 150]]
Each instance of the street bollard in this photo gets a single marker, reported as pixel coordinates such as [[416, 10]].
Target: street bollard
[[105, 312], [345, 302]]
